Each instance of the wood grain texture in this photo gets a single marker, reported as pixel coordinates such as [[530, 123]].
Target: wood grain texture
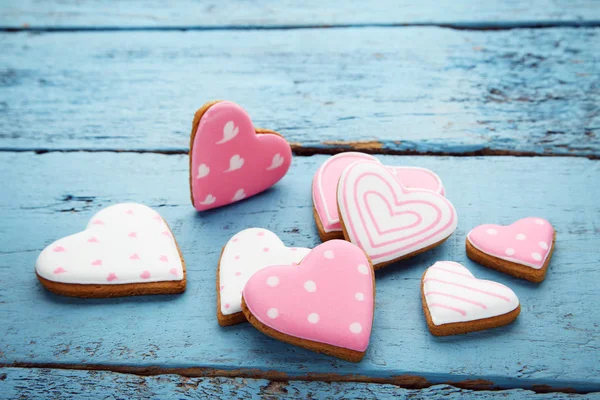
[[189, 13], [400, 90], [552, 345], [20, 383]]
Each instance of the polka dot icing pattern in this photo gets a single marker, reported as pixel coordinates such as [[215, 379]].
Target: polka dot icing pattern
[[328, 298], [326, 180], [388, 220], [247, 252], [527, 241], [229, 161], [123, 243], [453, 294]]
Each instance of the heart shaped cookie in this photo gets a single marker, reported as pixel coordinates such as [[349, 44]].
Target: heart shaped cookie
[[325, 304], [522, 249], [127, 249], [244, 254], [387, 220], [325, 182], [456, 302], [230, 160]]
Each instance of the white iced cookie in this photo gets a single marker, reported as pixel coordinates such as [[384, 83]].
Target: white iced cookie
[[126, 249], [454, 301], [244, 254]]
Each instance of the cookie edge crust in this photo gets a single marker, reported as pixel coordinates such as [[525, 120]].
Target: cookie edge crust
[[328, 349], [326, 236]]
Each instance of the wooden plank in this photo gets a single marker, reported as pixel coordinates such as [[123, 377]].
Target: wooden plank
[[189, 13], [552, 345], [375, 89], [68, 384]]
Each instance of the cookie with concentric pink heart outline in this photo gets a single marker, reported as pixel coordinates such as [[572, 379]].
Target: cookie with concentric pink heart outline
[[387, 220], [326, 179]]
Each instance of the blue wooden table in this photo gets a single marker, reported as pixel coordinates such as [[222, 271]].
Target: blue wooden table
[[500, 98]]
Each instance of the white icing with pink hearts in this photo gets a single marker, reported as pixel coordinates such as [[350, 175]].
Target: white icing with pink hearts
[[387, 220], [527, 241], [325, 182], [123, 243], [453, 294], [246, 253]]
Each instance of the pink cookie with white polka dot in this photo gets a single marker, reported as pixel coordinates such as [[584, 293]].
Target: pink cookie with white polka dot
[[522, 249], [324, 304]]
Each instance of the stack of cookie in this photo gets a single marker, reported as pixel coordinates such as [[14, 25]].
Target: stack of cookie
[[368, 215]]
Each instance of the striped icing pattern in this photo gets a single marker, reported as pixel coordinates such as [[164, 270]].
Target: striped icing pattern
[[453, 295]]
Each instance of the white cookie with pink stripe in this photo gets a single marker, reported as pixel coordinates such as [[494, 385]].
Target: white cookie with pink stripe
[[387, 220], [456, 302], [246, 253], [522, 249], [126, 249]]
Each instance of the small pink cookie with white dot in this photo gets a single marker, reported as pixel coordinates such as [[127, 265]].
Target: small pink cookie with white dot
[[126, 250], [324, 304], [244, 254], [522, 249], [230, 159]]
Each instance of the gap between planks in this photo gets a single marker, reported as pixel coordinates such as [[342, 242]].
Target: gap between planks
[[402, 381], [371, 147], [469, 25]]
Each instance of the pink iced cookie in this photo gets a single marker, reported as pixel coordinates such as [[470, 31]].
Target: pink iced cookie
[[230, 159], [387, 220], [126, 249], [325, 304], [522, 249], [419, 178], [326, 180]]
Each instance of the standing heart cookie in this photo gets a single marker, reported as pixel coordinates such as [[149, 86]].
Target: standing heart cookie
[[324, 304], [325, 183], [230, 159], [244, 254], [387, 220], [127, 249], [522, 249], [456, 302]]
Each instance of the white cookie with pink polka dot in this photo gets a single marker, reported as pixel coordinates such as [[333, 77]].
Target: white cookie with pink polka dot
[[244, 254], [126, 249]]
